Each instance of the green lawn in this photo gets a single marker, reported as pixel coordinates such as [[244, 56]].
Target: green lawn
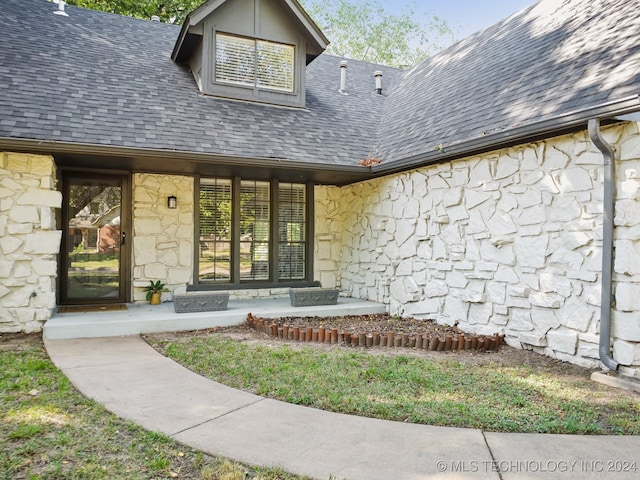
[[50, 431], [448, 392]]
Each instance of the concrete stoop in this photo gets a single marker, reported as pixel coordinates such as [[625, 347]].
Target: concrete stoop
[[141, 318]]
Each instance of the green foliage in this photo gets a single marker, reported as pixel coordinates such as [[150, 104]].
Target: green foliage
[[359, 30], [154, 287], [483, 395], [366, 31], [50, 431], [215, 213], [169, 11]]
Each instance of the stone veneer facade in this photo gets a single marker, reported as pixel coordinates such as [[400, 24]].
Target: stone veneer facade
[[29, 241], [162, 237], [505, 242]]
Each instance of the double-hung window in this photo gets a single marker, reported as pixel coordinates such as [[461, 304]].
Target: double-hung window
[[252, 232], [254, 63]]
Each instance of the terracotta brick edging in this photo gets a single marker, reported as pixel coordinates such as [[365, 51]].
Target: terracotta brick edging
[[334, 336]]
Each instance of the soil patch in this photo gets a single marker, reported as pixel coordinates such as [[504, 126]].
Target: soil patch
[[502, 356], [369, 324], [17, 342], [379, 330]]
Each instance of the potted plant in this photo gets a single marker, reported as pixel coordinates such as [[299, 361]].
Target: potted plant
[[154, 291]]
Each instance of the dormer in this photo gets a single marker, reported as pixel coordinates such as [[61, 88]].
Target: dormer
[[253, 50]]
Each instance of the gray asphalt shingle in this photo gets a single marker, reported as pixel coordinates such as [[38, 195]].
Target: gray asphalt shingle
[[103, 79], [556, 57]]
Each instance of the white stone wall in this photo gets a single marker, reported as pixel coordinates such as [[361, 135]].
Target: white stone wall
[[327, 263], [508, 242], [257, 293], [29, 241], [163, 238]]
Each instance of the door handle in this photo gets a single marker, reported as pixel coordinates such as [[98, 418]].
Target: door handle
[[123, 239]]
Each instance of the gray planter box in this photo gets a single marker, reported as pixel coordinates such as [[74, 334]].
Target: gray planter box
[[312, 296], [200, 302]]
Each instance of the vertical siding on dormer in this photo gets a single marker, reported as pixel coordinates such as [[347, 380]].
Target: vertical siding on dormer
[[262, 19]]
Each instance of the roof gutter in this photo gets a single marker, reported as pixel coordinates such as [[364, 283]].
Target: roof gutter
[[512, 137], [606, 297], [53, 147]]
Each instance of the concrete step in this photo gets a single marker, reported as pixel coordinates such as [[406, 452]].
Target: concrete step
[[142, 318]]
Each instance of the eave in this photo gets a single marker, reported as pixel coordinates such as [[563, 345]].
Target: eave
[[560, 125], [178, 162]]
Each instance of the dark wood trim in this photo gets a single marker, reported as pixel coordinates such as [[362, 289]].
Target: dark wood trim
[[124, 291], [310, 239], [235, 230], [235, 283], [274, 213], [249, 286]]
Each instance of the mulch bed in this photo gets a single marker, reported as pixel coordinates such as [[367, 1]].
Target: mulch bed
[[374, 331]]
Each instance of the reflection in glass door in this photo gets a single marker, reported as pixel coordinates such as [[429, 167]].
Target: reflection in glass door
[[94, 240]]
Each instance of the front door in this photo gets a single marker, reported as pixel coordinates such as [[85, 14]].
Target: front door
[[95, 239]]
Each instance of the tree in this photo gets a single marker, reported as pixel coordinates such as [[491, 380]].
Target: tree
[[362, 30], [366, 31], [169, 11]]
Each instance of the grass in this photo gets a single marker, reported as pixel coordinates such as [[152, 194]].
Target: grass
[[50, 431], [446, 392]]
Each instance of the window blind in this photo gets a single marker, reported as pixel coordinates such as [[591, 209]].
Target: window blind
[[235, 60], [215, 230], [291, 231], [255, 227], [254, 63], [274, 66]]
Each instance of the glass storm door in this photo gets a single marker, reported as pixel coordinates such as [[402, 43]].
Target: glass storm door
[[94, 239]]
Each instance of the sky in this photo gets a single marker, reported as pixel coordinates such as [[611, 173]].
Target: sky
[[464, 16]]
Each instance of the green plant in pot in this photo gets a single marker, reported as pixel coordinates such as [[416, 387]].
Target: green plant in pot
[[154, 291]]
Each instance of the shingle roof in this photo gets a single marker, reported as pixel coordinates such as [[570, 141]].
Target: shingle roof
[[554, 58], [103, 79]]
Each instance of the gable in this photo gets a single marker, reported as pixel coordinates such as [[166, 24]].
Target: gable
[[95, 100], [242, 27]]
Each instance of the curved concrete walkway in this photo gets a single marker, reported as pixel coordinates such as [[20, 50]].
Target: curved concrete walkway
[[137, 383]]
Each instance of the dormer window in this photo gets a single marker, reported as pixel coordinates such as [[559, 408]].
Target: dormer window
[[254, 50], [254, 63]]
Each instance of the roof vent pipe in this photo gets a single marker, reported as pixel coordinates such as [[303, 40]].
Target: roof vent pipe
[[378, 76], [606, 298], [343, 77], [155, 18], [60, 11]]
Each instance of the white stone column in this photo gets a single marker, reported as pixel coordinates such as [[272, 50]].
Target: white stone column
[[29, 241], [163, 238]]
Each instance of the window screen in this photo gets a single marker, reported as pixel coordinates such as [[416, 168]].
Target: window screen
[[255, 223], [254, 63], [215, 230], [274, 66], [291, 231]]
